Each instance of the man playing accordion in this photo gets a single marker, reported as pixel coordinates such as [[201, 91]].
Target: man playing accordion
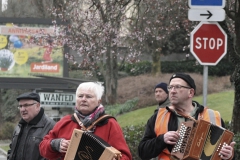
[[161, 130]]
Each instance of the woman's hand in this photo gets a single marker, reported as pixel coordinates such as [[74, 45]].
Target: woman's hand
[[227, 151], [64, 145]]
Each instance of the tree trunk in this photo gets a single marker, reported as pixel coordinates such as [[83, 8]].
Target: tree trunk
[[236, 79], [236, 107], [111, 76], [1, 104], [156, 63]]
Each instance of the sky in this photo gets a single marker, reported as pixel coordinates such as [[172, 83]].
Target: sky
[[4, 2]]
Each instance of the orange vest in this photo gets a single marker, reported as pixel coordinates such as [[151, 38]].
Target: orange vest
[[161, 124]]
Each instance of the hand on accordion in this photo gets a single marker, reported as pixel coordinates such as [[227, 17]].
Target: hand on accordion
[[118, 157], [171, 137], [64, 145], [227, 151]]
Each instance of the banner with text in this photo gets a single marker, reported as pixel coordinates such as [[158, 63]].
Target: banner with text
[[30, 51]]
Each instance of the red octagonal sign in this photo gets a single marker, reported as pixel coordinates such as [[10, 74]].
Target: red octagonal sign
[[208, 43]]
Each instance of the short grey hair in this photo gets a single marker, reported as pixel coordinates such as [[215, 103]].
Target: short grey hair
[[96, 87]]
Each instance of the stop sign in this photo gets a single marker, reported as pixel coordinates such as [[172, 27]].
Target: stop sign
[[208, 43]]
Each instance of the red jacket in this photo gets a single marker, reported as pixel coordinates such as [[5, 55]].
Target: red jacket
[[110, 132]]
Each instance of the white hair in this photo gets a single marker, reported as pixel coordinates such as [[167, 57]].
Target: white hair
[[96, 87]]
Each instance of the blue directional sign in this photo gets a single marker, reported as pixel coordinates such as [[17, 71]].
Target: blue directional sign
[[206, 3]]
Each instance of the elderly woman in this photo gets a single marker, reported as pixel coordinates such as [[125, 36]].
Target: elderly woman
[[88, 109]]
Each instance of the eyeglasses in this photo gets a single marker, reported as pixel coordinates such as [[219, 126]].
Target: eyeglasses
[[177, 87], [25, 105]]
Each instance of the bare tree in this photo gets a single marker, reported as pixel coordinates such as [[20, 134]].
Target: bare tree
[[95, 32], [154, 23], [98, 28]]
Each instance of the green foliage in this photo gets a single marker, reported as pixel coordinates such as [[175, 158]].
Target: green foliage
[[9, 108], [237, 145], [227, 125], [236, 139], [118, 109], [223, 68], [133, 135], [176, 42], [7, 130], [180, 66], [135, 69]]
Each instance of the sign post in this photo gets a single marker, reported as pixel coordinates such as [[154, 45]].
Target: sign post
[[208, 44], [208, 40]]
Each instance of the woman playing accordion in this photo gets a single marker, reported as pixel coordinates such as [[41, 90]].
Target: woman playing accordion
[[88, 109]]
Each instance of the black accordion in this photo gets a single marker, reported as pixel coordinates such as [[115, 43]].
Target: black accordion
[[87, 146], [200, 140]]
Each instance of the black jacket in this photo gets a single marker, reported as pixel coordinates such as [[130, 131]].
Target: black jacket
[[151, 146], [35, 131]]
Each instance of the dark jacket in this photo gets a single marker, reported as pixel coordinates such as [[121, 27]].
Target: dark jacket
[[151, 146], [164, 103], [30, 139]]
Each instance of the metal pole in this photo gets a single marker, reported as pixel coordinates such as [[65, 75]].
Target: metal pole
[[205, 84]]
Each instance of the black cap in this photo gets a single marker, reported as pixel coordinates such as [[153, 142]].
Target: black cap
[[186, 78], [163, 86], [29, 95]]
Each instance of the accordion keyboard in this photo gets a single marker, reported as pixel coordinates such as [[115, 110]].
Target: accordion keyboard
[[181, 144]]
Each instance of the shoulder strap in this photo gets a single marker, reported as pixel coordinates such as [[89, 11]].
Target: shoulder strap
[[100, 119], [211, 116], [182, 114], [104, 117], [79, 122]]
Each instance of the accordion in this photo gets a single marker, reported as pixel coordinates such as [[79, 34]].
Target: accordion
[[200, 140], [87, 146]]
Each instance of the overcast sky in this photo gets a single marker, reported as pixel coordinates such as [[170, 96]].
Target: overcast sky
[[4, 2]]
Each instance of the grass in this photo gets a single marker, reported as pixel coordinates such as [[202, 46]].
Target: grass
[[5, 148], [222, 102]]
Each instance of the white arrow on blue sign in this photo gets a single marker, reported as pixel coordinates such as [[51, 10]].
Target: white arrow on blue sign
[[206, 3]]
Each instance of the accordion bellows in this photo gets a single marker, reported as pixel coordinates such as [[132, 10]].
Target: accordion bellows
[[200, 140], [87, 146]]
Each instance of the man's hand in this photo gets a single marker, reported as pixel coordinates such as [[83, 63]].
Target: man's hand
[[171, 137], [227, 151]]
